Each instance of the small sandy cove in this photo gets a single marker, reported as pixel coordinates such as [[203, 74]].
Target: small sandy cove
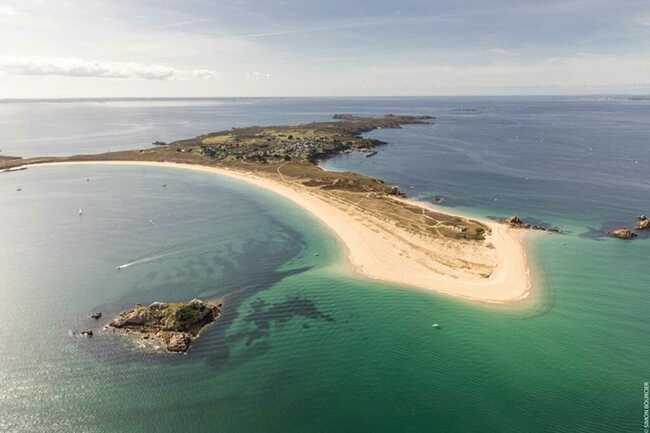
[[493, 271]]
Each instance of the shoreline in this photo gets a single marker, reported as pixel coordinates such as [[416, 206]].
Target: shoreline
[[375, 251]]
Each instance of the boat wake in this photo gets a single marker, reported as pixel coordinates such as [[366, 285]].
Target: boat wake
[[150, 259]]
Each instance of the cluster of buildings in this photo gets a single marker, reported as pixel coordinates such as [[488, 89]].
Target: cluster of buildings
[[286, 149]]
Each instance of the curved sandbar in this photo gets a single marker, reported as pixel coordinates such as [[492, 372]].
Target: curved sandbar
[[495, 270]]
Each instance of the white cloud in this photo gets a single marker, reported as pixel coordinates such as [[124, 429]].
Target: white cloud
[[256, 75], [8, 11], [582, 72], [182, 23], [502, 52], [346, 24], [205, 74], [73, 67], [643, 20]]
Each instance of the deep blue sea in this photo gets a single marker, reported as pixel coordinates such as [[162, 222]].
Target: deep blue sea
[[302, 346]]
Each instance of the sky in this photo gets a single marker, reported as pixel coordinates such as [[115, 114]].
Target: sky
[[205, 48]]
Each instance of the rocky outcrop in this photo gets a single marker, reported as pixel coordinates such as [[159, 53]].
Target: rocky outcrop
[[173, 325], [642, 223], [176, 341], [516, 222], [622, 233], [397, 192]]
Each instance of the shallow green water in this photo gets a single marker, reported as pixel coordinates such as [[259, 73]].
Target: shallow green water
[[301, 347]]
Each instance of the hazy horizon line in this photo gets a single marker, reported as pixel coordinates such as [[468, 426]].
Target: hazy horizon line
[[123, 98]]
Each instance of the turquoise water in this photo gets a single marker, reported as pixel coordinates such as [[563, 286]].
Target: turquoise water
[[302, 347]]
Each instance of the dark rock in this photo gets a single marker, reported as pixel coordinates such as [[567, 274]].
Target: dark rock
[[396, 191], [96, 315], [514, 221], [643, 223], [178, 342], [87, 333], [622, 233]]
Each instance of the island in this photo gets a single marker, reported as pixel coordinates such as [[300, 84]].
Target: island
[[171, 326], [386, 236]]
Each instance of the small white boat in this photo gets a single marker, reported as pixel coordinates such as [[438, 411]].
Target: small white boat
[[81, 212], [436, 326]]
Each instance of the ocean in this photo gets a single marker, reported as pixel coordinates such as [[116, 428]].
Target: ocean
[[303, 347]]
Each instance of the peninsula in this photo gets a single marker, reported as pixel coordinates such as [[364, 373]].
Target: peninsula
[[387, 236]]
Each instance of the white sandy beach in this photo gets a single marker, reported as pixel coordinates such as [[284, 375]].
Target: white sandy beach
[[472, 270]]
